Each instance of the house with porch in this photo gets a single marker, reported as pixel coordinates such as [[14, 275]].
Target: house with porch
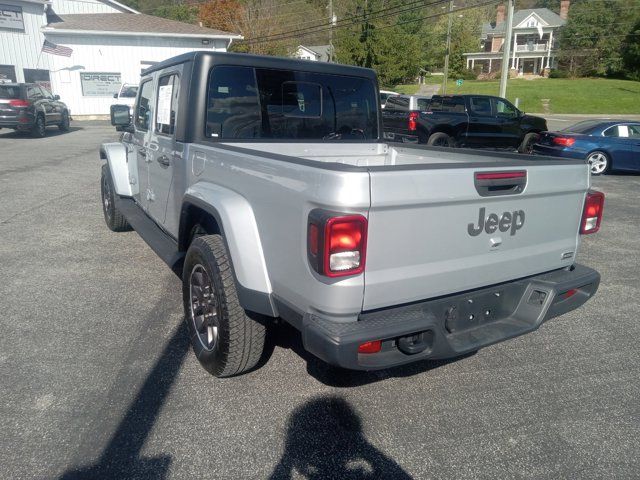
[[535, 32]]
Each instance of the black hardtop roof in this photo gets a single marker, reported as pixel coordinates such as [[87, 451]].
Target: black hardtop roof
[[263, 61]]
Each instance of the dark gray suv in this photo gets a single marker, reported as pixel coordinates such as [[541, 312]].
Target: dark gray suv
[[28, 107]]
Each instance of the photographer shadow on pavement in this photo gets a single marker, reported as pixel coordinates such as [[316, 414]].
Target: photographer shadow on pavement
[[325, 440]]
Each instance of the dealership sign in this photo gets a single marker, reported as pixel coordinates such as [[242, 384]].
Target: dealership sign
[[100, 84], [11, 18]]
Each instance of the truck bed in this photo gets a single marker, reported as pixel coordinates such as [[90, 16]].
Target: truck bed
[[420, 203]]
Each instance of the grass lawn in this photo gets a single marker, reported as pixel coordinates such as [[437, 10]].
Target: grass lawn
[[582, 95]]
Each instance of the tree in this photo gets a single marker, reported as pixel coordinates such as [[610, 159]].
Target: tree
[[223, 15], [181, 13], [591, 41], [631, 52]]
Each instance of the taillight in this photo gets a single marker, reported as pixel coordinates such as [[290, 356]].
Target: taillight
[[592, 213], [336, 244], [19, 103], [413, 121], [564, 141]]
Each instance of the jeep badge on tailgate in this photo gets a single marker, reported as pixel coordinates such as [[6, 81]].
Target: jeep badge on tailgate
[[512, 221]]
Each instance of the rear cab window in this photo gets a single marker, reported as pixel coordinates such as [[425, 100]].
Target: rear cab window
[[248, 103]]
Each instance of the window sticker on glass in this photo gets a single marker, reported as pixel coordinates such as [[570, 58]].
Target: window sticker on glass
[[223, 89], [164, 104]]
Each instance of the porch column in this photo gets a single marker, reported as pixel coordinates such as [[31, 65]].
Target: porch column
[[468, 63], [515, 47], [489, 65], [549, 49], [473, 61]]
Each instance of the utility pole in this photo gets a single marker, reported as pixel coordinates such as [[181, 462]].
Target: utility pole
[[332, 19], [506, 48], [446, 56]]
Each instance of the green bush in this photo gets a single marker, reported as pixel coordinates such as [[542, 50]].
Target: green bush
[[558, 74]]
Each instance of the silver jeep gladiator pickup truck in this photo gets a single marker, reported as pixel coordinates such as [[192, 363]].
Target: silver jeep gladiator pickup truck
[[265, 184]]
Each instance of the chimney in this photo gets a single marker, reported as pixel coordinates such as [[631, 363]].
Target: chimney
[[500, 14], [564, 9]]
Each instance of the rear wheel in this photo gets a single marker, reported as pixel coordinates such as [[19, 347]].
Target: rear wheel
[[440, 139], [226, 340], [39, 129], [599, 162], [527, 143]]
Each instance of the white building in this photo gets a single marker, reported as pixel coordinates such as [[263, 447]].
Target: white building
[[110, 44], [317, 53], [533, 46]]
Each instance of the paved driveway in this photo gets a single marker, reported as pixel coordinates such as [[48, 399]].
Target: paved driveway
[[97, 380]]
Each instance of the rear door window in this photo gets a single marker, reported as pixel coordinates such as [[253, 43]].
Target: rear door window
[[481, 105], [34, 92], [167, 104]]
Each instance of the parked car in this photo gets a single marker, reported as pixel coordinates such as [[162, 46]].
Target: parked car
[[384, 95], [606, 144], [264, 184], [126, 95], [28, 107], [463, 121]]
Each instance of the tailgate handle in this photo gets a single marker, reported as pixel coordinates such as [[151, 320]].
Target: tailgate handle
[[491, 184]]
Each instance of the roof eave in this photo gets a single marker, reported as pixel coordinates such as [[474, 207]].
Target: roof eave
[[141, 34]]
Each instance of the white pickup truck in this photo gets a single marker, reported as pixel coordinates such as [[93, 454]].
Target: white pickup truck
[[264, 184]]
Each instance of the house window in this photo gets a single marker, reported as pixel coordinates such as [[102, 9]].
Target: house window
[[532, 22]]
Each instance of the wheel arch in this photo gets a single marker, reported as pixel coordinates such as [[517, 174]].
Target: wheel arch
[[217, 210], [116, 156]]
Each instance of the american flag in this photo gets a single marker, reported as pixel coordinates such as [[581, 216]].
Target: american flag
[[54, 49]]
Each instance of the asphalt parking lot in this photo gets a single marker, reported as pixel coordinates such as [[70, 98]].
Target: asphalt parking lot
[[98, 380]]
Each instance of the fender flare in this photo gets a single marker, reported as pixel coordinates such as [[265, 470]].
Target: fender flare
[[116, 156], [239, 229]]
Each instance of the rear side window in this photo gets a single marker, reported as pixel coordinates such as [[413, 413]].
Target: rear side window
[[9, 91], [423, 104], [167, 104], [447, 104], [246, 103], [34, 92], [142, 116]]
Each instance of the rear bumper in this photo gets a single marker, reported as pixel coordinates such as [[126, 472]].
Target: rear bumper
[[558, 151], [450, 326], [23, 122]]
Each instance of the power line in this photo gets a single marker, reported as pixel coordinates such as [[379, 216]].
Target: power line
[[306, 32], [348, 21]]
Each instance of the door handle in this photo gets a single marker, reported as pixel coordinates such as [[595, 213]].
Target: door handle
[[164, 160]]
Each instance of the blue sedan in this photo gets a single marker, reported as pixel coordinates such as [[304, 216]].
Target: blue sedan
[[607, 144]]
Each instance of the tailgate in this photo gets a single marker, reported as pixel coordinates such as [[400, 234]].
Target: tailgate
[[433, 233]]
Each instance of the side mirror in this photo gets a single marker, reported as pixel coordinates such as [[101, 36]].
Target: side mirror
[[56, 97], [120, 116], [115, 95]]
